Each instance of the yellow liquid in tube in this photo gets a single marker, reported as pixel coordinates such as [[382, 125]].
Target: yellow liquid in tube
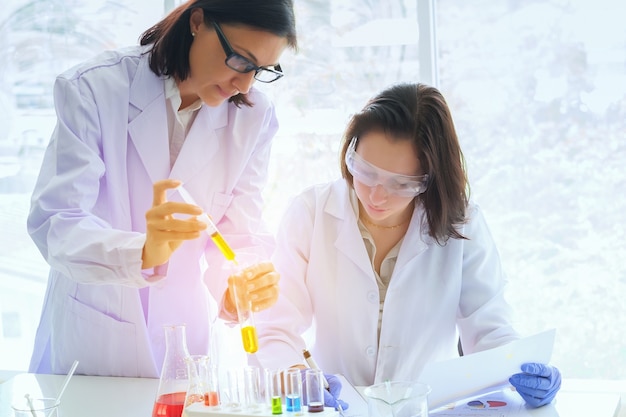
[[248, 332], [218, 239], [249, 338], [223, 246]]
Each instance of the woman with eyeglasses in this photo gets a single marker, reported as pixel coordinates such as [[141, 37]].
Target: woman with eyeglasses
[[127, 254], [384, 268]]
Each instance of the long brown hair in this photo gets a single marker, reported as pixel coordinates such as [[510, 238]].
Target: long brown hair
[[419, 113], [171, 37]]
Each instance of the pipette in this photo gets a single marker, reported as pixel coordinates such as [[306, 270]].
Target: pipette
[[244, 310], [211, 230]]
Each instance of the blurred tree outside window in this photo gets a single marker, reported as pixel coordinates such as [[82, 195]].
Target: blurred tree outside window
[[538, 92]]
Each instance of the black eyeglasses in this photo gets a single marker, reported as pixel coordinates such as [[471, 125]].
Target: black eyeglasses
[[243, 65]]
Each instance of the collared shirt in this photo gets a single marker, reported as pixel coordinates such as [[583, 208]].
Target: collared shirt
[[386, 266], [178, 121]]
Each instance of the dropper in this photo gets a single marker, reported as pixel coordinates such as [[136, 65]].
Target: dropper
[[211, 230]]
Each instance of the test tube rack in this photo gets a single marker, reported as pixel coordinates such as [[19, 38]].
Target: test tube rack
[[200, 410]]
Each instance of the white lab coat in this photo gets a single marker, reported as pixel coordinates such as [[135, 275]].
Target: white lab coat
[[88, 210], [328, 288]]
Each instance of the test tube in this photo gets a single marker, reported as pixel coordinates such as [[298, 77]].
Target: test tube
[[273, 390], [237, 284], [252, 387], [244, 309], [211, 230], [217, 238], [293, 391], [211, 396], [233, 378], [315, 390]]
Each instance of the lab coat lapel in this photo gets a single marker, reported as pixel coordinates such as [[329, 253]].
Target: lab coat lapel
[[415, 241], [201, 143], [349, 240], [147, 126]]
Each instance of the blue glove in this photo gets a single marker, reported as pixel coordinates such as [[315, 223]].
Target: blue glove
[[331, 395], [537, 384]]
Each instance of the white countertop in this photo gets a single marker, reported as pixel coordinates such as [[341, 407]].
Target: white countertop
[[107, 396]]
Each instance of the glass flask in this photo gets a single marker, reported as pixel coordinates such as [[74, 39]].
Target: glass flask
[[197, 369], [170, 398]]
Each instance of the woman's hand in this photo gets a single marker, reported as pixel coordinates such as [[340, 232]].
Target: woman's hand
[[257, 283], [537, 384], [164, 232]]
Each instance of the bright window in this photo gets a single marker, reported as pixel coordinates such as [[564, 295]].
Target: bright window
[[537, 90]]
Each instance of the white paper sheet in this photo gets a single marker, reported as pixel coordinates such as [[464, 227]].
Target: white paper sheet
[[462, 377]]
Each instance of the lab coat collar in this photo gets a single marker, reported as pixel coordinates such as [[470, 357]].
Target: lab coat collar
[[201, 143], [416, 239], [348, 235], [338, 205], [149, 131], [147, 124]]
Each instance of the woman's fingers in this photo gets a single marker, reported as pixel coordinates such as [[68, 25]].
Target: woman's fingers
[[159, 190]]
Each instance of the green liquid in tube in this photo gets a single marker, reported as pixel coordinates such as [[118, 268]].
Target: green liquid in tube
[[277, 406]]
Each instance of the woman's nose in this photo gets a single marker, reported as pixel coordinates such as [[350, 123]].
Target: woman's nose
[[378, 194], [243, 82]]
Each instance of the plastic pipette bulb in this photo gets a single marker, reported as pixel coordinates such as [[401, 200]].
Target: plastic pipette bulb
[[211, 230]]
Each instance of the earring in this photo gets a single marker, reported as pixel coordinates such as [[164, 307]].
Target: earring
[[193, 34]]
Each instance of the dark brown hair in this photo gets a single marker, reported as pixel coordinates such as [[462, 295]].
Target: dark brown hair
[[171, 37], [419, 113]]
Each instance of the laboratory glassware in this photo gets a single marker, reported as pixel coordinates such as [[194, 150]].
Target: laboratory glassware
[[35, 407], [211, 230], [212, 396], [274, 390], [314, 382], [293, 391], [397, 399], [234, 390], [237, 265], [174, 381], [252, 388], [238, 276], [197, 369]]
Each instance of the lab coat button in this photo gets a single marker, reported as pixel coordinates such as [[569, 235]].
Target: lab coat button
[[372, 297], [370, 351]]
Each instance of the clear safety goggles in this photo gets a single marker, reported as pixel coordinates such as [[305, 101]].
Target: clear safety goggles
[[371, 175]]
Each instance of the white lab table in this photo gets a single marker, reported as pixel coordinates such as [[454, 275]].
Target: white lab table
[[134, 397]]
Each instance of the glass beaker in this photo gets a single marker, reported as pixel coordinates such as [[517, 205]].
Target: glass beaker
[[174, 381], [397, 399], [36, 407]]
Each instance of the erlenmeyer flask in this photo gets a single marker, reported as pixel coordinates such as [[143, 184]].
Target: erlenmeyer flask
[[170, 398], [197, 368]]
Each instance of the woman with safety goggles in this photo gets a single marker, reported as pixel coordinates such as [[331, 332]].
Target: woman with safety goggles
[[385, 268]]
